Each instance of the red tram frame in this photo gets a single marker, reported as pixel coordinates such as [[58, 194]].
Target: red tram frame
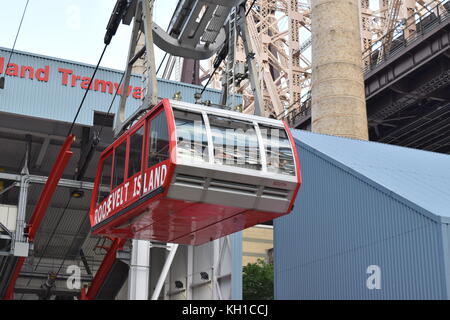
[[150, 214]]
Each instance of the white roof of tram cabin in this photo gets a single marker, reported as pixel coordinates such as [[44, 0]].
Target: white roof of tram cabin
[[53, 100], [226, 113]]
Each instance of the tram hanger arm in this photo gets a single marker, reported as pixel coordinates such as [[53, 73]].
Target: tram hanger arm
[[50, 186]]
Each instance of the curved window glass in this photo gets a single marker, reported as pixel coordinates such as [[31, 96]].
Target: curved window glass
[[159, 140], [235, 143], [134, 158], [105, 179], [119, 164], [192, 141], [280, 158]]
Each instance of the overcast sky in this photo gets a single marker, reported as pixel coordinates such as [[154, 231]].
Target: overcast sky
[[71, 29]]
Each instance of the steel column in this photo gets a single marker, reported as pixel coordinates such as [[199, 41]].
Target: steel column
[[164, 272], [50, 186], [251, 63], [119, 118], [138, 281]]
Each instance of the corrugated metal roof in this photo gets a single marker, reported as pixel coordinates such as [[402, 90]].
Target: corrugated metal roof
[[420, 178]]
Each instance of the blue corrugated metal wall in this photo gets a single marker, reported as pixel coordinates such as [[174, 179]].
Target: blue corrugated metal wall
[[341, 225], [236, 268], [53, 100]]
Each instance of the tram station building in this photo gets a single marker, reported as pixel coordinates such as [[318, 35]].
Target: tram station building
[[37, 105]]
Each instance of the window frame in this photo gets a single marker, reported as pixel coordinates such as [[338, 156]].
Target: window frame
[[205, 122], [148, 136], [253, 124], [110, 153], [128, 149]]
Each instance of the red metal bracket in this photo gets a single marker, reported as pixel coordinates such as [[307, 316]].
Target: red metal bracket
[[9, 294], [103, 271], [49, 189], [39, 212]]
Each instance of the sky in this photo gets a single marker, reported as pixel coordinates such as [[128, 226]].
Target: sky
[[72, 29]]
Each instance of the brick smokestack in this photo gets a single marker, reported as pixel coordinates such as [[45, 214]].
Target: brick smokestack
[[338, 99]]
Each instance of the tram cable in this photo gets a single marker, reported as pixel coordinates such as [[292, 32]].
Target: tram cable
[[162, 62], [113, 24], [87, 90], [112, 103], [66, 207], [250, 8], [2, 79], [216, 64], [68, 202], [117, 15]]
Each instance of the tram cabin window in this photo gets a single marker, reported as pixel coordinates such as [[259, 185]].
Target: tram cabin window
[[192, 141], [159, 140], [235, 143], [134, 161], [280, 158], [105, 179], [119, 164]]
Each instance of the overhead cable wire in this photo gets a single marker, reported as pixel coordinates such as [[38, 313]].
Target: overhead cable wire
[[209, 79], [18, 31], [87, 90], [17, 36], [66, 255], [162, 61], [118, 13], [250, 8], [112, 102], [50, 238], [80, 227]]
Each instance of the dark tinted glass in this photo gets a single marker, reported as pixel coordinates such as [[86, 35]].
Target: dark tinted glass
[[105, 180], [134, 161], [159, 140], [119, 164]]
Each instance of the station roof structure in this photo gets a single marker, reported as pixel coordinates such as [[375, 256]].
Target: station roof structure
[[37, 107]]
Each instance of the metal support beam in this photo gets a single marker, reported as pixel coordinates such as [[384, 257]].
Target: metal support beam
[[190, 271], [168, 69], [56, 292], [13, 185], [104, 269], [42, 180], [59, 277], [20, 245], [251, 62], [143, 23], [164, 272], [138, 280], [88, 148], [119, 118], [50, 186], [85, 263], [150, 83], [42, 152]]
